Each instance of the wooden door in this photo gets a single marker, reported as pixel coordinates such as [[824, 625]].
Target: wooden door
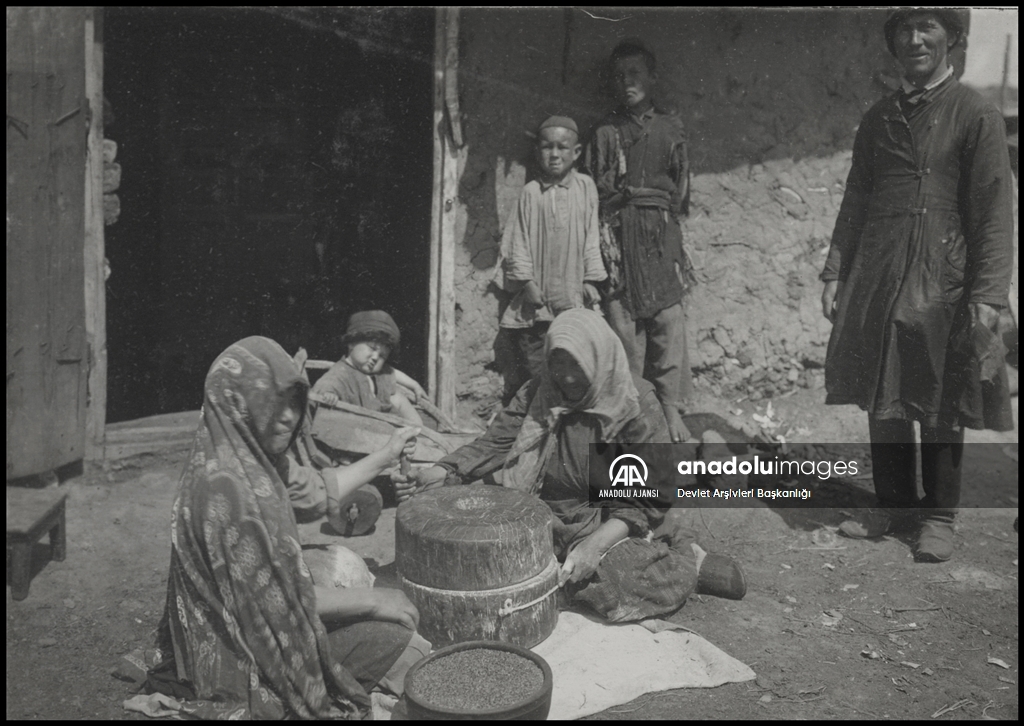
[[47, 127]]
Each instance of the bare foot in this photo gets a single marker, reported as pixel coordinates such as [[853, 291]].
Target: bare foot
[[676, 428], [699, 554]]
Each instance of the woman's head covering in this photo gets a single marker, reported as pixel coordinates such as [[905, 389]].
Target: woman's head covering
[[374, 325], [951, 18], [249, 394], [241, 610], [611, 398]]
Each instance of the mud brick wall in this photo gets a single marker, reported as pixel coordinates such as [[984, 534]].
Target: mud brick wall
[[771, 100]]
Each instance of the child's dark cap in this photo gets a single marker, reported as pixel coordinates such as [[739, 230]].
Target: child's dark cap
[[372, 325], [563, 122]]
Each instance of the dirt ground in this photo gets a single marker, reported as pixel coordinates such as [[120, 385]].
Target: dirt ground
[[856, 629]]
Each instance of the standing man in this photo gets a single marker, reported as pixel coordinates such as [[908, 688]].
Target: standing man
[[638, 158], [919, 266]]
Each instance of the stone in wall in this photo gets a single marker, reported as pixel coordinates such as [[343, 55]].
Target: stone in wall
[[111, 178], [111, 209], [109, 151]]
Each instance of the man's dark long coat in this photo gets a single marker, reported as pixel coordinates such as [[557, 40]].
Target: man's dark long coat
[[925, 228]]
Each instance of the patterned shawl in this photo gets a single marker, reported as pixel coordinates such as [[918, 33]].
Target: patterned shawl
[[612, 398], [241, 610]]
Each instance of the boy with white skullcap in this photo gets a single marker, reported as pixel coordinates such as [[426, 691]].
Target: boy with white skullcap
[[550, 249]]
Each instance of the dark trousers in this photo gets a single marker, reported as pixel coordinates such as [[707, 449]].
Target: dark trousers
[[656, 349], [894, 465]]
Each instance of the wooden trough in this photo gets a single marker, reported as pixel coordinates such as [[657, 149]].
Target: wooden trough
[[354, 429]]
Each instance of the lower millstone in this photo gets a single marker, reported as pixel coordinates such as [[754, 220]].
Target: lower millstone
[[455, 616]]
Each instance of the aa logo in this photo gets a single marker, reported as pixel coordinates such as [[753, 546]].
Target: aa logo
[[628, 473]]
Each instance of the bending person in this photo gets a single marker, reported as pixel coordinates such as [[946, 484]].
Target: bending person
[[624, 561], [245, 632]]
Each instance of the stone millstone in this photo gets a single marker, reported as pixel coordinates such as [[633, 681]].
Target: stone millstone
[[472, 537], [456, 616], [466, 553]]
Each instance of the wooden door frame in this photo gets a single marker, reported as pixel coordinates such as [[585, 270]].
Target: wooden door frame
[[95, 242], [442, 372]]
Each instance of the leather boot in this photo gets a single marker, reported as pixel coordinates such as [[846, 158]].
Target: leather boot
[[721, 576]]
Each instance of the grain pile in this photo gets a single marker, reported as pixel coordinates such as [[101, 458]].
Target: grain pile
[[478, 680]]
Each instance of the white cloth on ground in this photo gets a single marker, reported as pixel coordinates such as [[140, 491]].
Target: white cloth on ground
[[596, 666], [155, 705]]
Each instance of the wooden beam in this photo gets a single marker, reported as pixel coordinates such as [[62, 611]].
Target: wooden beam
[[440, 19], [95, 249], [443, 373], [451, 79]]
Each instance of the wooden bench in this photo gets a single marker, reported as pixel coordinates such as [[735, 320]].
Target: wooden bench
[[30, 513]]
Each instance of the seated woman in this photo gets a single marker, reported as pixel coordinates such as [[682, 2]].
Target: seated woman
[[624, 561], [246, 632]]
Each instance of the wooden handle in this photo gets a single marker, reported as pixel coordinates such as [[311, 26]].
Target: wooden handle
[[446, 423]]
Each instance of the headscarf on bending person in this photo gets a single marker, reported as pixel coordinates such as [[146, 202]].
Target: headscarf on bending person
[[241, 610], [612, 397]]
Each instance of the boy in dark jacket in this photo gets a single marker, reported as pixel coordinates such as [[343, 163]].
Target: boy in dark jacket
[[638, 158]]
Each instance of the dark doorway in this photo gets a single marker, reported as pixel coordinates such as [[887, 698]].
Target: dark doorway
[[277, 173]]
